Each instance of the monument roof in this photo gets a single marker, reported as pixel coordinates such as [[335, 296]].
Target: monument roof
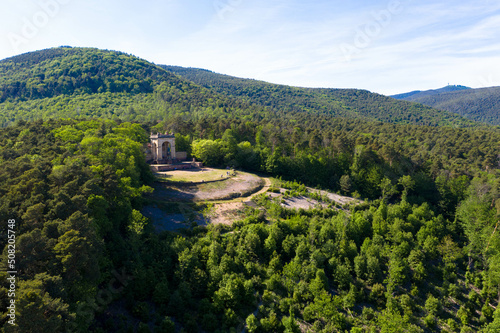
[[160, 136]]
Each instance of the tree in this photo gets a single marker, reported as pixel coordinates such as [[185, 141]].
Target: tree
[[34, 215], [388, 189], [183, 143], [271, 323], [392, 322], [247, 157], [345, 184], [408, 184], [34, 250], [433, 306], [230, 146], [79, 261], [98, 207], [207, 151], [38, 311], [290, 324], [166, 326], [137, 223], [252, 323]]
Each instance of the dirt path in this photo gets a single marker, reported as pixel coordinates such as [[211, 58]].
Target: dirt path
[[226, 212], [267, 185]]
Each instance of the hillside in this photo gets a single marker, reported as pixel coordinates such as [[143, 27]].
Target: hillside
[[350, 103], [482, 105], [86, 82], [416, 94], [309, 216], [419, 255], [68, 71]]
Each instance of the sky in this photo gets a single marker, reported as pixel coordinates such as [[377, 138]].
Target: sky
[[388, 47]]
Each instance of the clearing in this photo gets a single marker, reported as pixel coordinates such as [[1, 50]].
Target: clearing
[[207, 185], [194, 175], [185, 198]]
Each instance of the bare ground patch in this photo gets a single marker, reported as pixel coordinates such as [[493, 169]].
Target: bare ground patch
[[194, 175], [340, 199], [302, 202], [171, 221], [227, 213], [241, 185], [169, 209], [230, 195]]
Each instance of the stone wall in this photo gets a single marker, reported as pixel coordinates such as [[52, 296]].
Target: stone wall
[[181, 155]]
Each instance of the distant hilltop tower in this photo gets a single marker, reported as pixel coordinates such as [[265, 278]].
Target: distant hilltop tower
[[163, 148]]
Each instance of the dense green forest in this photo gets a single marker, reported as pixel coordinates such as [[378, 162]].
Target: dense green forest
[[84, 82], [476, 104], [73, 190], [421, 253], [350, 103]]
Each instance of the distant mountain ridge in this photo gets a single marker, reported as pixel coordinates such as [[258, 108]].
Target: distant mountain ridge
[[88, 82], [351, 103], [416, 94], [481, 105]]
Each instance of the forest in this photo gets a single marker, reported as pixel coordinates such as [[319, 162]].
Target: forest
[[85, 82], [479, 104], [350, 103], [419, 254]]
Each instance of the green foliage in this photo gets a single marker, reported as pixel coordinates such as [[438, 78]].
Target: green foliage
[[67, 70], [137, 223], [67, 203], [166, 326], [76, 189], [82, 216], [475, 104], [433, 305], [208, 151], [252, 323], [339, 102]]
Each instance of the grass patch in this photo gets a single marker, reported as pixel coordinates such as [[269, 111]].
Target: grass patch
[[193, 175]]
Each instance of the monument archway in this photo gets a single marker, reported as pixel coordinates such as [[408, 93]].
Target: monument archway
[[166, 150], [163, 148]]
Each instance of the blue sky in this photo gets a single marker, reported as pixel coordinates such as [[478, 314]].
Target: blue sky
[[387, 47]]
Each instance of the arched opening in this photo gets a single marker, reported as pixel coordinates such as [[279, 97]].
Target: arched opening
[[166, 151]]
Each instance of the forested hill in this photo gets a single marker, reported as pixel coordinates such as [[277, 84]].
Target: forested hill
[[58, 71], [339, 102], [481, 105], [87, 82], [417, 94]]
